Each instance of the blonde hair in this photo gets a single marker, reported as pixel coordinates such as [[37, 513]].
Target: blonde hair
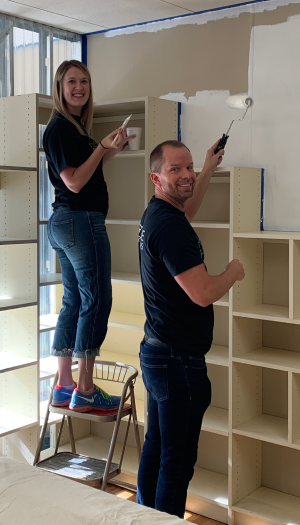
[[59, 103]]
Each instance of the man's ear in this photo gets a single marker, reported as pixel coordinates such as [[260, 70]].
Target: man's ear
[[155, 179]]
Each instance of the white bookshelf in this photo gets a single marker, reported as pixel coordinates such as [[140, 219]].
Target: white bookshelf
[[249, 450]]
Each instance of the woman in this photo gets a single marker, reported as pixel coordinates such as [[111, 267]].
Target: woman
[[77, 233]]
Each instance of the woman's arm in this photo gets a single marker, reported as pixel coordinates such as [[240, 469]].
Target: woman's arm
[[76, 178]]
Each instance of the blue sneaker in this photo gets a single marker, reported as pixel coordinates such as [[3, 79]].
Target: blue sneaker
[[97, 400], [62, 396]]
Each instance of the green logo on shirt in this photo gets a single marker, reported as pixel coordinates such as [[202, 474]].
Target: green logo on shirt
[[93, 144]]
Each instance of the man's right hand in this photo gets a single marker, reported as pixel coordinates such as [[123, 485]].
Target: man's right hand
[[237, 268]]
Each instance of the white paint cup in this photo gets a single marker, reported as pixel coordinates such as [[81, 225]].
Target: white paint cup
[[134, 144]]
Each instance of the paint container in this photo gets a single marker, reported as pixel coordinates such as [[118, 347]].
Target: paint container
[[134, 144], [235, 102]]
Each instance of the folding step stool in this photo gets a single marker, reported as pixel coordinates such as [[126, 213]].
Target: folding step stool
[[91, 471]]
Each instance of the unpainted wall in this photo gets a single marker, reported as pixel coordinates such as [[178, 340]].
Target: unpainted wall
[[200, 61]]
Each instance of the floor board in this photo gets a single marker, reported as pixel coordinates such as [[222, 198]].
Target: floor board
[[131, 496]]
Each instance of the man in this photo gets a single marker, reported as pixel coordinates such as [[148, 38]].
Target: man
[[178, 294]]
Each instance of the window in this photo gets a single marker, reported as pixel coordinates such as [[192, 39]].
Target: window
[[30, 54]]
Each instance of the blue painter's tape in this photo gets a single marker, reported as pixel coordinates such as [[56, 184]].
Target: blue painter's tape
[[179, 122], [262, 200], [84, 49], [179, 16]]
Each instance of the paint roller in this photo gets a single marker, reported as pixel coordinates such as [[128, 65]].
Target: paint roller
[[235, 102]]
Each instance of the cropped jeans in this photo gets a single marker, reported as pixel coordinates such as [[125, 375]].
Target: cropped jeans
[[82, 246], [179, 394]]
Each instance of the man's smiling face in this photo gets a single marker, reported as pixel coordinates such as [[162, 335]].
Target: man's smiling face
[[177, 177]]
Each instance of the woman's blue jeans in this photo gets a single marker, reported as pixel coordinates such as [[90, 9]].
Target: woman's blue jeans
[[82, 246], [179, 394]]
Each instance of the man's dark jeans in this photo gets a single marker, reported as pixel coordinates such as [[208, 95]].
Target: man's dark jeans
[[179, 394]]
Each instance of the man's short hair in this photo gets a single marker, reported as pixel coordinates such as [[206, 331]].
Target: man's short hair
[[157, 156]]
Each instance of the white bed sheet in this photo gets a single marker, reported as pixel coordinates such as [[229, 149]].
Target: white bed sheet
[[30, 496]]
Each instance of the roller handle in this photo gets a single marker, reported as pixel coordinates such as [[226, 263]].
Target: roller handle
[[222, 143]]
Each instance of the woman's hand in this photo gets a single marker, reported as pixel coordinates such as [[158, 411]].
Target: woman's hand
[[120, 142]]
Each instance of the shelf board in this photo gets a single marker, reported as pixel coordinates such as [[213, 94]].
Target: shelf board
[[13, 240], [10, 361], [124, 320], [271, 358], [224, 301], [218, 355], [269, 312], [48, 322], [48, 279], [10, 304], [210, 224], [17, 168], [266, 428], [129, 154], [271, 235], [272, 505], [12, 422], [126, 278], [209, 486], [128, 222], [215, 420], [45, 101], [120, 107]]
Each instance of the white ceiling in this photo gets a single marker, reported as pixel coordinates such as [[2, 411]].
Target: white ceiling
[[87, 16]]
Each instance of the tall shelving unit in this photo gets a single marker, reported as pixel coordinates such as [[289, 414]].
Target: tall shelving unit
[[249, 451]]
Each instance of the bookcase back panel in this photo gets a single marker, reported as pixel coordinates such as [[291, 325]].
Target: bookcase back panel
[[275, 392], [215, 244], [221, 326], [213, 452], [281, 335], [276, 270], [123, 341], [125, 180], [280, 469], [124, 247], [128, 299], [218, 376], [258, 391], [101, 130], [215, 205]]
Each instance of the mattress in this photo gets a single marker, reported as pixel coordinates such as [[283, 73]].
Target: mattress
[[30, 496]]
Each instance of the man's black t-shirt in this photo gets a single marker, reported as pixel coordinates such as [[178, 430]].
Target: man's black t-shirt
[[65, 146], [168, 246]]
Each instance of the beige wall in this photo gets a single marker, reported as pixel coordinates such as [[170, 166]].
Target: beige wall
[[183, 59], [200, 61]]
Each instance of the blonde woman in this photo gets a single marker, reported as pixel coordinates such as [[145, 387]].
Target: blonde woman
[[77, 232]]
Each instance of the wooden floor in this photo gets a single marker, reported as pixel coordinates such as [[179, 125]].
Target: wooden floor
[[131, 496]]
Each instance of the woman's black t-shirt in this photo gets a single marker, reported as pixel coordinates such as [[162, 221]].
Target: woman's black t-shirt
[[65, 146]]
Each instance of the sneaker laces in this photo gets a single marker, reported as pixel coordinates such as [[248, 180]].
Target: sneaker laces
[[104, 394]]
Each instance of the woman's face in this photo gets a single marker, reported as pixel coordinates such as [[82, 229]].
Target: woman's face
[[76, 89]]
